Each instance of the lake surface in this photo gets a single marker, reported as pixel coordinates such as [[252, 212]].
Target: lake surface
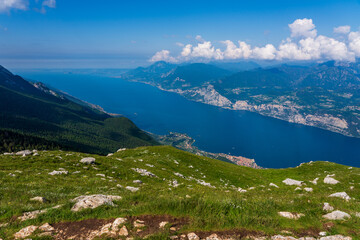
[[272, 143]]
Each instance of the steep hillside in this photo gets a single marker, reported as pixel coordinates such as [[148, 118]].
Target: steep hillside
[[165, 193], [34, 110]]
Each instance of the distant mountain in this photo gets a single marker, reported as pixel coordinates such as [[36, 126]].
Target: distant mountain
[[33, 110], [236, 66], [325, 95], [176, 76]]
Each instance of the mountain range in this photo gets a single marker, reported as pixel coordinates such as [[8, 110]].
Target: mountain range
[[324, 95]]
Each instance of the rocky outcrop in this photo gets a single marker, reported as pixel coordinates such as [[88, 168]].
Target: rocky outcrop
[[342, 195], [292, 182], [291, 215], [337, 215], [88, 160], [93, 201]]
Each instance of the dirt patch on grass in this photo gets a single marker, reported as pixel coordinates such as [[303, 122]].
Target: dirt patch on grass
[[233, 233], [82, 229], [152, 223], [78, 230]]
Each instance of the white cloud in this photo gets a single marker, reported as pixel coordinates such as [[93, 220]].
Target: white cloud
[[266, 53], [303, 44], [234, 52], [6, 5], [49, 3], [163, 55], [199, 38], [354, 43], [204, 50], [342, 29], [303, 28]]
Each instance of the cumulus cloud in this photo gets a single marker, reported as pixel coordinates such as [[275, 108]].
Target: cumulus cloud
[[342, 29], [354, 43], [303, 28], [6, 5], [303, 44], [163, 55]]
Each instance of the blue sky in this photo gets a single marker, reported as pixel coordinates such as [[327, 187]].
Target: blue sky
[[123, 34]]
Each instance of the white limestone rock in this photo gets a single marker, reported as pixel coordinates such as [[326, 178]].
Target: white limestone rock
[[93, 201], [280, 237], [273, 185], [193, 236], [342, 195], [337, 215], [132, 189], [88, 160], [336, 237], [327, 207], [58, 172], [291, 215], [39, 199], [330, 180], [292, 182], [25, 232], [24, 153]]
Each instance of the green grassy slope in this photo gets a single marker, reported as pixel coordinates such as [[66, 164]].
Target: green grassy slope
[[26, 110], [209, 208]]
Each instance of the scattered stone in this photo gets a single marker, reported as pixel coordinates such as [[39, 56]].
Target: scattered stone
[[93, 201], [25, 232], [100, 175], [39, 199], [31, 215], [58, 172], [132, 189], [24, 153], [291, 215], [330, 180], [337, 215], [308, 189], [163, 224], [123, 231], [322, 234], [139, 224], [314, 181], [327, 207], [241, 190], [46, 228], [88, 160], [119, 186], [117, 222], [273, 185], [280, 237], [298, 189], [213, 237], [110, 154], [193, 236], [357, 214], [121, 149], [291, 182], [335, 237], [342, 195], [144, 172], [137, 181]]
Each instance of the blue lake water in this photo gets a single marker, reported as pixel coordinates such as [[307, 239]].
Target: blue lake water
[[272, 143]]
